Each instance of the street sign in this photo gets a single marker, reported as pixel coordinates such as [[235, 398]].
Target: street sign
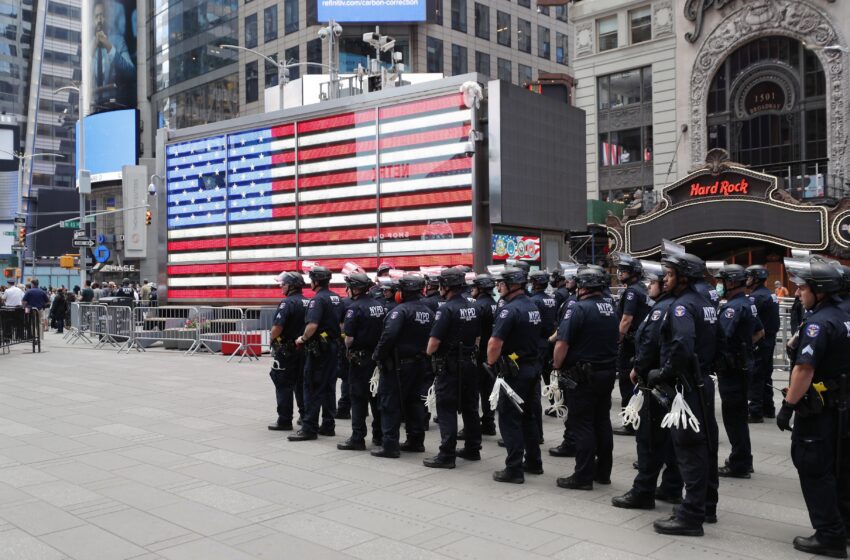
[[70, 224], [83, 243], [20, 221], [18, 247], [79, 234], [10, 233], [101, 254]]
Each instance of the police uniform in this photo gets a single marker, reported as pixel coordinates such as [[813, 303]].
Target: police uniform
[[518, 326], [690, 330], [590, 327], [486, 306], [567, 446], [739, 322], [287, 369], [343, 405], [633, 301], [401, 351], [548, 308], [708, 292], [364, 321], [561, 295], [433, 301], [456, 326], [760, 391]]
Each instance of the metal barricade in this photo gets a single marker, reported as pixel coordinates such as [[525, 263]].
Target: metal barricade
[[80, 323], [259, 321], [121, 323], [17, 326], [177, 327], [222, 329], [780, 357]]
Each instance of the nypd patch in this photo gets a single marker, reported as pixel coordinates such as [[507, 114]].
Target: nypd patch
[[504, 313], [812, 330], [630, 296], [394, 314], [729, 313], [656, 315], [568, 314], [679, 311], [349, 314]]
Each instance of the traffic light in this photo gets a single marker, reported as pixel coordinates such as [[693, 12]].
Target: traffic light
[[66, 261], [22, 235], [148, 217]]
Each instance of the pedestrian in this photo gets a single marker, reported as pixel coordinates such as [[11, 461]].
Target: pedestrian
[[654, 448], [760, 392], [58, 309], [87, 293], [482, 293], [343, 405], [287, 371], [364, 321], [14, 295], [35, 301], [320, 340], [740, 329], [401, 353], [451, 347], [585, 357], [689, 338], [779, 290], [817, 399], [513, 355]]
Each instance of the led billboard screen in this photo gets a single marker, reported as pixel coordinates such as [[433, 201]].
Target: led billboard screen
[[111, 143], [371, 11], [112, 48]]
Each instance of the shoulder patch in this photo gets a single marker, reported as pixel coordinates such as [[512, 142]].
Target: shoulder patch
[[312, 304], [812, 330], [394, 314], [656, 315], [569, 313], [679, 311], [729, 313], [504, 313], [437, 316], [349, 313], [630, 295]]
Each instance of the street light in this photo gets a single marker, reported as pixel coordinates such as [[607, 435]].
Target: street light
[[22, 157]]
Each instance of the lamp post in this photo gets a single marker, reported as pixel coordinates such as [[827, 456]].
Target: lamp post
[[22, 157], [332, 32]]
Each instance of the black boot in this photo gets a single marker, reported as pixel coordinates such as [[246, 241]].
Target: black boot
[[532, 469], [281, 427], [726, 471], [633, 500], [439, 462], [301, 435], [815, 545], [469, 454], [674, 526], [351, 445], [384, 452], [488, 429], [508, 476], [570, 483], [626, 430], [461, 435], [563, 450], [412, 447]]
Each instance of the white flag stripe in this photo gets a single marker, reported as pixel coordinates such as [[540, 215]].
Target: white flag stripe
[[185, 282], [337, 136], [336, 250], [406, 156], [283, 198], [189, 233], [337, 221], [425, 122], [274, 253], [425, 214], [280, 145], [461, 244], [282, 226], [427, 183], [197, 257], [311, 195]]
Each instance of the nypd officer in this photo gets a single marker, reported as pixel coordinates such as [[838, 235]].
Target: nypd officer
[[559, 284], [288, 362], [401, 353], [740, 329], [321, 342], [548, 307], [482, 292], [761, 386], [512, 353], [632, 309], [817, 398], [362, 326], [452, 347], [567, 447], [585, 358], [689, 336], [654, 448], [432, 292]]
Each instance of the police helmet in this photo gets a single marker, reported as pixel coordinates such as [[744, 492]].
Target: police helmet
[[818, 274], [516, 263], [757, 272], [512, 275], [570, 272], [411, 283], [556, 276], [452, 278], [653, 271], [358, 280], [685, 264], [293, 279], [385, 266], [731, 273], [845, 277], [320, 274], [432, 280], [389, 285], [484, 282], [591, 277], [539, 278], [627, 263], [125, 282]]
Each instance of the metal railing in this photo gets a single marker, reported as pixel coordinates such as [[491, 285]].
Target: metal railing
[[19, 326], [177, 327]]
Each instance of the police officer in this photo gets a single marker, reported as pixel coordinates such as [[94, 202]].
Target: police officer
[[401, 353], [740, 329], [817, 398], [512, 353], [845, 289], [558, 283], [567, 447], [761, 386], [688, 345], [452, 346], [548, 307], [632, 308], [654, 448], [482, 292], [320, 340], [707, 291], [389, 287], [364, 321], [432, 292], [125, 291], [343, 405], [584, 356], [288, 364]]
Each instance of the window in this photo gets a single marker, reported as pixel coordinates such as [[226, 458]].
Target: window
[[561, 13], [434, 9], [503, 70], [314, 54], [292, 55], [270, 24], [606, 29], [562, 49], [523, 35], [503, 28], [524, 3], [525, 74], [290, 16], [271, 72], [543, 46], [459, 15], [625, 88], [459, 60], [251, 31], [641, 24], [312, 12], [252, 82], [434, 55], [544, 10], [625, 146], [482, 63], [482, 21]]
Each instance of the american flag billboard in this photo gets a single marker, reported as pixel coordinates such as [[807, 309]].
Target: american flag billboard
[[386, 183]]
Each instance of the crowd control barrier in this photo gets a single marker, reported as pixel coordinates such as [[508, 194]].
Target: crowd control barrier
[[177, 327], [17, 326]]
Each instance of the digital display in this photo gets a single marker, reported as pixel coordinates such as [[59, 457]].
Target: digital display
[[112, 52], [371, 11], [519, 247], [111, 143]]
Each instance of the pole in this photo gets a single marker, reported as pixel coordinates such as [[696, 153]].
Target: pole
[[281, 81], [334, 60], [20, 212], [84, 100]]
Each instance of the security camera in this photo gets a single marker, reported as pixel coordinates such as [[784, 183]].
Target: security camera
[[323, 33], [337, 30], [469, 148], [397, 56], [371, 37], [152, 189], [389, 46]]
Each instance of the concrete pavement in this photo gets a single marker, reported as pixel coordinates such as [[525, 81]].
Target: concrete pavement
[[163, 456]]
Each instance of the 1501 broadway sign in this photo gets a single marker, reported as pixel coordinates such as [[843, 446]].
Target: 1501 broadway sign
[[724, 200]]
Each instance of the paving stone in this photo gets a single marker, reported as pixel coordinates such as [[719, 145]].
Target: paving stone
[[62, 494], [316, 529], [228, 459], [17, 545], [475, 548], [387, 549], [92, 543], [376, 521], [278, 545], [199, 518], [224, 499], [139, 527], [496, 530]]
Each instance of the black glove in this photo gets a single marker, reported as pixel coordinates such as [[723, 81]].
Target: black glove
[[783, 417], [654, 377], [491, 370]]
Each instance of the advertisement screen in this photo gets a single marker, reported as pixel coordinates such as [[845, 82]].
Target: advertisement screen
[[246, 206], [371, 11], [519, 247], [112, 49], [111, 143]]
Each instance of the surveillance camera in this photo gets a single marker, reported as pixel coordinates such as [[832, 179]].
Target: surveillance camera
[[337, 30], [151, 189], [469, 148], [389, 46], [397, 56], [323, 33]]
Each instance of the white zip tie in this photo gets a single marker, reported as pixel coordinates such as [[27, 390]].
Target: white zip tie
[[680, 416], [431, 400], [374, 380], [500, 385], [631, 414], [558, 407], [552, 392]]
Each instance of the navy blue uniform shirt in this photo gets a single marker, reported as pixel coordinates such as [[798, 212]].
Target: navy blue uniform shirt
[[825, 341], [518, 326], [36, 298], [290, 316], [689, 328], [634, 302], [364, 321], [592, 329], [739, 321], [768, 310], [548, 308], [648, 337], [455, 323], [407, 329], [433, 301], [708, 293], [325, 310]]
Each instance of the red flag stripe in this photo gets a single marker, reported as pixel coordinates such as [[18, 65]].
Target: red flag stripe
[[337, 121], [454, 101], [198, 293], [429, 199], [262, 240], [283, 131], [177, 270], [197, 244]]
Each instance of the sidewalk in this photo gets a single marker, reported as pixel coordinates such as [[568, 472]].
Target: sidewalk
[[162, 456]]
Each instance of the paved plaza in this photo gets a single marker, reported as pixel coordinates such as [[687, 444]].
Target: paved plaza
[[163, 456]]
